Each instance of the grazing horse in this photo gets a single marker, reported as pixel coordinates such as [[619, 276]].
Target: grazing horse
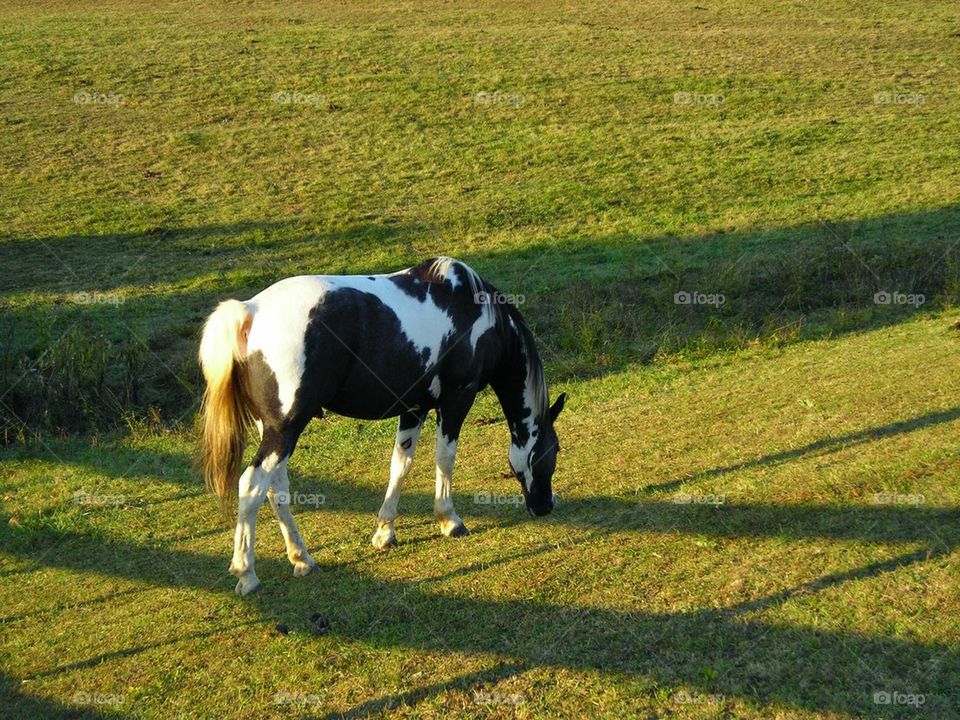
[[367, 346]]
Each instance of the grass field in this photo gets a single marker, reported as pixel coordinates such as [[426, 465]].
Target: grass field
[[759, 498]]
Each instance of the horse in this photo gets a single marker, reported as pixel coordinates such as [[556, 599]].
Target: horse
[[429, 337]]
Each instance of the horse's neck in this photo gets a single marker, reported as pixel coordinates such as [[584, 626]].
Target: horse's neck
[[510, 384]]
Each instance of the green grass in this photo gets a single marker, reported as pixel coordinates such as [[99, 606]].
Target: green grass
[[822, 426]]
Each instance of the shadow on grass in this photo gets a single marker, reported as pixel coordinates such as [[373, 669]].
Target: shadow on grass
[[881, 523], [717, 651], [819, 447], [465, 683], [598, 303], [18, 705], [770, 276], [173, 254]]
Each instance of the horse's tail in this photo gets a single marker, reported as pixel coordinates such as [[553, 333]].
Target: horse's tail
[[225, 414]]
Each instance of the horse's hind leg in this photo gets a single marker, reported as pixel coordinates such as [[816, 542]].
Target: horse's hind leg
[[252, 492], [267, 471], [279, 496], [408, 432]]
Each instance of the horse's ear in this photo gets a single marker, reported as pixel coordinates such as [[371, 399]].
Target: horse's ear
[[557, 407]]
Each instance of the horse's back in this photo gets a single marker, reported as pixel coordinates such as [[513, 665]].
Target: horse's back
[[367, 345]]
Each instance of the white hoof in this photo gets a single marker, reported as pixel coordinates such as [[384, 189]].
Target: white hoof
[[247, 584], [384, 537], [303, 567], [453, 527]]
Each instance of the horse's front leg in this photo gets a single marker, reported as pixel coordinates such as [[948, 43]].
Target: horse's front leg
[[450, 419], [279, 496], [409, 426]]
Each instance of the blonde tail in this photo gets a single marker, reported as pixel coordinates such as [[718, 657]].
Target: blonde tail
[[225, 415]]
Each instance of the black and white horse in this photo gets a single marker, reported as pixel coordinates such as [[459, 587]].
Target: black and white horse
[[367, 346]]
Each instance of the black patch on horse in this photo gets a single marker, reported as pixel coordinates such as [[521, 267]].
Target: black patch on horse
[[349, 324]]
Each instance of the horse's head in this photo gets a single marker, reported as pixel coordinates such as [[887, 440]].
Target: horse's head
[[535, 463]]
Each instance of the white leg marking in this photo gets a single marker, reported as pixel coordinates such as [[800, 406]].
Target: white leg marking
[[253, 491], [400, 463], [450, 523], [279, 496]]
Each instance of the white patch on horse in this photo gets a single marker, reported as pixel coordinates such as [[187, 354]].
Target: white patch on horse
[[486, 322], [434, 388], [423, 323], [520, 460], [270, 461], [281, 314]]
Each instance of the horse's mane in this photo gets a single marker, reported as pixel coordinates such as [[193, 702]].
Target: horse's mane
[[440, 268], [480, 290], [534, 377]]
